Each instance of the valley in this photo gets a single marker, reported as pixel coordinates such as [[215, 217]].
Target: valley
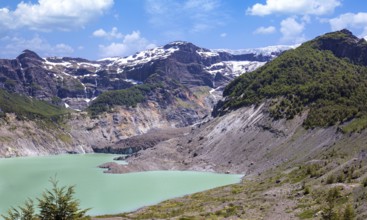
[[292, 120], [77, 105]]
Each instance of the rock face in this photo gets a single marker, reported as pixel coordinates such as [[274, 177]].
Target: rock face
[[189, 78], [249, 139], [77, 80], [243, 141], [30, 138], [344, 44]]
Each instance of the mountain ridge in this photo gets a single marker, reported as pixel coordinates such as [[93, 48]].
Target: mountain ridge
[[176, 84], [295, 127], [309, 77], [292, 166]]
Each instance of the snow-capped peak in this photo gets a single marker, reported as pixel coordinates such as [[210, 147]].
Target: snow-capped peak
[[177, 43], [143, 56]]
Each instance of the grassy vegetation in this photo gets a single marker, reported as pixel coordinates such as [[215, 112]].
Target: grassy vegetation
[[28, 108], [356, 125], [332, 88], [127, 97], [289, 191], [302, 193]]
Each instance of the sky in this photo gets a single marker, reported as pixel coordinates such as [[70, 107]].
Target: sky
[[95, 29]]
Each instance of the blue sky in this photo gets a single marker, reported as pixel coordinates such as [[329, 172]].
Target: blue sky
[[94, 29]]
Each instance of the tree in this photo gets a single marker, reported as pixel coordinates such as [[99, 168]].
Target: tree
[[331, 198], [23, 213], [59, 204], [55, 204]]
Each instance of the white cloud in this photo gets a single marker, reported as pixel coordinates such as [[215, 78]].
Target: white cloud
[[130, 44], [223, 35], [113, 34], [185, 16], [15, 45], [53, 14], [292, 31], [203, 5], [350, 20], [265, 30], [298, 7]]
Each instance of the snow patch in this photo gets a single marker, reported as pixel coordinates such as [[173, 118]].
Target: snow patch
[[50, 63], [140, 57], [134, 82], [234, 68], [207, 54], [265, 51], [240, 67]]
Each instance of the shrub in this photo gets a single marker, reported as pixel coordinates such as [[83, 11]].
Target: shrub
[[328, 211], [307, 190], [364, 182], [330, 179], [349, 213]]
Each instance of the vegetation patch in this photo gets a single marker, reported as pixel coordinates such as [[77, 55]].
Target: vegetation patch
[[126, 97], [29, 108], [305, 78], [356, 125]]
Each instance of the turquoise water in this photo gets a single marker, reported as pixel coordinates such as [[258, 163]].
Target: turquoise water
[[22, 178]]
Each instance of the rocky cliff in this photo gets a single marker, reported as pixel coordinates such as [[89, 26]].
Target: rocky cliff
[[171, 86]]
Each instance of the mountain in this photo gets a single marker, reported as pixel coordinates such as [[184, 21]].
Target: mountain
[[327, 76], [294, 127], [117, 98], [76, 79]]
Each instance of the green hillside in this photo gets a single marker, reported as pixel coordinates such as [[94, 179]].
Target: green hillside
[[126, 97], [331, 88], [29, 108]]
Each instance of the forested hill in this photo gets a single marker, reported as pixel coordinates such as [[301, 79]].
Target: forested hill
[[327, 76]]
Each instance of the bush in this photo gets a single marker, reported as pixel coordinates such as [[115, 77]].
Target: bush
[[307, 190], [364, 182], [349, 213], [330, 179], [328, 211]]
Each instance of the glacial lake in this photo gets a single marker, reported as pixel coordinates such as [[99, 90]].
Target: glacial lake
[[28, 177]]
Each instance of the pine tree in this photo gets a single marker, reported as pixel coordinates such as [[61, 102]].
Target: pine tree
[[55, 204], [23, 213], [59, 204]]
